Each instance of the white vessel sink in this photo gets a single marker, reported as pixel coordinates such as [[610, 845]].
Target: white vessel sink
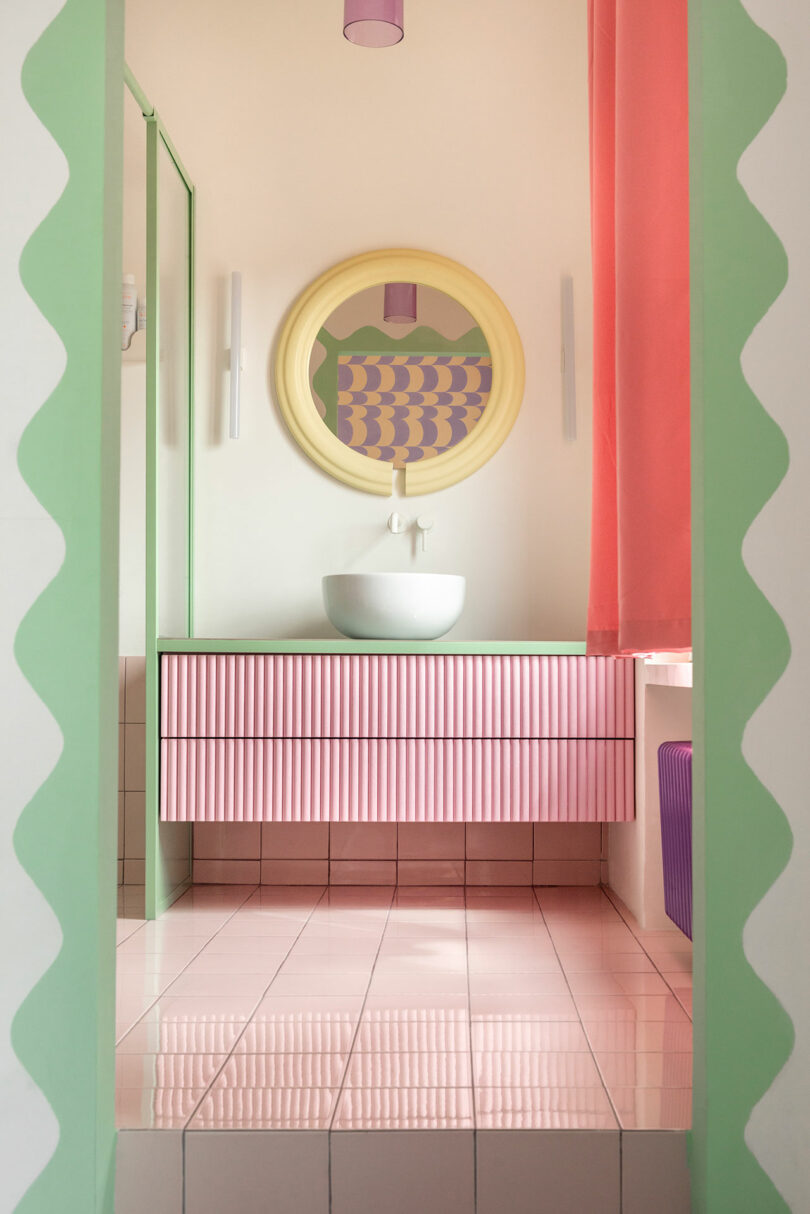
[[394, 606]]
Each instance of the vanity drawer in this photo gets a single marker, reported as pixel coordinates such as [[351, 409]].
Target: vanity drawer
[[395, 696], [396, 780]]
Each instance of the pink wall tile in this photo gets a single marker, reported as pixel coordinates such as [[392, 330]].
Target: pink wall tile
[[135, 708], [566, 872], [134, 872], [134, 826], [363, 841], [430, 840], [227, 840], [430, 872], [122, 676], [120, 826], [121, 749], [295, 840], [363, 872], [499, 872], [567, 841], [295, 872], [227, 872], [135, 758], [499, 841]]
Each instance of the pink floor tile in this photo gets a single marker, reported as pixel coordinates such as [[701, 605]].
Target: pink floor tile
[[409, 1069], [671, 962], [496, 961], [181, 1037], [254, 946], [534, 1068], [265, 1109], [299, 1033], [416, 982], [174, 943], [336, 945], [543, 1108], [151, 963], [424, 1006], [186, 1009], [519, 1033], [328, 963], [143, 1109], [226, 964], [607, 963], [653, 1108], [226, 985], [393, 1034], [166, 1070], [540, 1007], [519, 984], [639, 1036], [274, 1007], [405, 1109], [315, 985], [283, 1070], [663, 1070], [631, 1007], [617, 984]]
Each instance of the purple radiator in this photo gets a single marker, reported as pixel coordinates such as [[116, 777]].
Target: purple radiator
[[675, 785]]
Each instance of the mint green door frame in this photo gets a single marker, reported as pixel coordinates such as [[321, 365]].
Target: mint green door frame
[[160, 890]]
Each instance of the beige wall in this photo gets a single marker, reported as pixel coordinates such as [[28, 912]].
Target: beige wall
[[469, 139]]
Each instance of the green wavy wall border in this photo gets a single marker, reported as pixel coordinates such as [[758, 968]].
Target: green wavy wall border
[[742, 840], [67, 645]]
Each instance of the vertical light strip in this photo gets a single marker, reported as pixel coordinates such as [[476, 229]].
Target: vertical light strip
[[236, 352], [568, 359]]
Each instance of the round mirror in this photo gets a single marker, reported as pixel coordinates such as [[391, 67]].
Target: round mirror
[[399, 359], [400, 372]]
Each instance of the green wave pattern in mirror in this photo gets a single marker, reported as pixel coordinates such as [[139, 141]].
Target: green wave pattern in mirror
[[401, 398]]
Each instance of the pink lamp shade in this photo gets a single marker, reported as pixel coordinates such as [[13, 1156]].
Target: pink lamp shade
[[373, 22], [400, 302]]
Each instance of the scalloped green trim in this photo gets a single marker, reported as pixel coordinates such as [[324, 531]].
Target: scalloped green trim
[[742, 841], [67, 644]]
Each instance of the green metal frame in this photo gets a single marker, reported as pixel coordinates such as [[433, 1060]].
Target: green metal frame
[[225, 645], [159, 893]]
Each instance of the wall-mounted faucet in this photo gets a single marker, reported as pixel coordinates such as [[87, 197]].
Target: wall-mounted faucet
[[423, 525], [398, 524]]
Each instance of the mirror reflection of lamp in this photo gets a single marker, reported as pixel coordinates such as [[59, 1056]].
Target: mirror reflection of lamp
[[400, 303], [373, 23]]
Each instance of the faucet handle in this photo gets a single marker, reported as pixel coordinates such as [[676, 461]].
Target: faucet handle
[[424, 524], [397, 523]]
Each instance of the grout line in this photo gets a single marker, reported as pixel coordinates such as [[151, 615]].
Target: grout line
[[174, 977], [579, 1014], [473, 1086], [350, 1054], [263, 996], [653, 963]]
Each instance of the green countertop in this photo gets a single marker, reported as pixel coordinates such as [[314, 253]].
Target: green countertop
[[339, 645]]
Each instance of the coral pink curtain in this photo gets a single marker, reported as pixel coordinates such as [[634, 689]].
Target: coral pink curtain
[[640, 539]]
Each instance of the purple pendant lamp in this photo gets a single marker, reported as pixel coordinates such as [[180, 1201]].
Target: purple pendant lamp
[[400, 303], [373, 22]]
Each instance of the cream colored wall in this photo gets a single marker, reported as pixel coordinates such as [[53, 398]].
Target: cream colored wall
[[469, 139]]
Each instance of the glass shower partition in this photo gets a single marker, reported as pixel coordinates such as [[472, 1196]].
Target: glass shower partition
[[169, 475]]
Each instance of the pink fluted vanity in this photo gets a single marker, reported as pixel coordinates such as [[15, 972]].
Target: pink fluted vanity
[[434, 736]]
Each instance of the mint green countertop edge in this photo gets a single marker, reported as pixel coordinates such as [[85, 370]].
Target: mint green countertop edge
[[338, 645]]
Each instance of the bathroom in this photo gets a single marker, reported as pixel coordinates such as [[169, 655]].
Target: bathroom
[[416, 999], [516, 525]]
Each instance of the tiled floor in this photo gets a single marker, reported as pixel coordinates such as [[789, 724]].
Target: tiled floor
[[280, 1008]]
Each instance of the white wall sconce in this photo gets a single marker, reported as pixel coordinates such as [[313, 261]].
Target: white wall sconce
[[237, 361], [568, 359]]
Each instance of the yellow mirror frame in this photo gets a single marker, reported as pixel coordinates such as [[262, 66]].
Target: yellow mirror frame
[[311, 311]]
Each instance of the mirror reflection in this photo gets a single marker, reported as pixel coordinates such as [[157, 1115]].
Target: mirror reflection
[[400, 372]]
